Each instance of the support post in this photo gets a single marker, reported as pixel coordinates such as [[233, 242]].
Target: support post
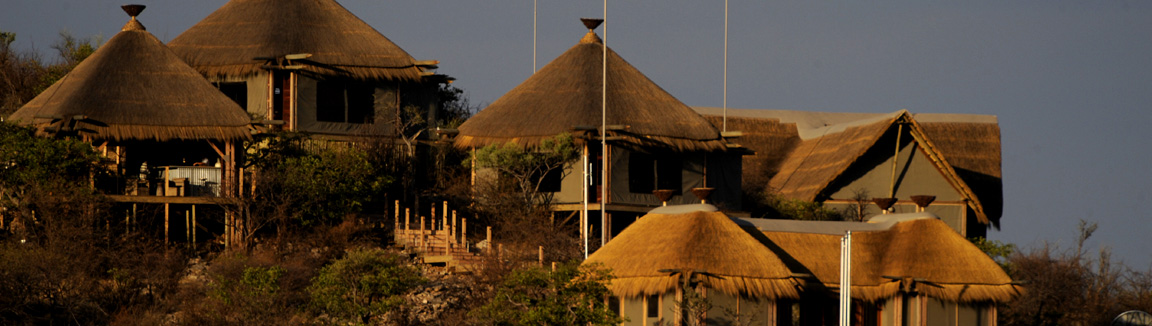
[[489, 239], [422, 235], [454, 228], [193, 224], [188, 227], [464, 233], [407, 219], [540, 255], [165, 223]]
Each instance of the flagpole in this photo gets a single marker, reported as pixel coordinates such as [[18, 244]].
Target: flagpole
[[724, 126], [534, 36], [604, 132]]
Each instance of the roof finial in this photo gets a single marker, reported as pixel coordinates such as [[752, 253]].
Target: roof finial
[[591, 23], [133, 11]]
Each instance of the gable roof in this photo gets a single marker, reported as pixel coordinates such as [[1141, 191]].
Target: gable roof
[[134, 88], [921, 254], [965, 148], [697, 238], [567, 93], [228, 41]]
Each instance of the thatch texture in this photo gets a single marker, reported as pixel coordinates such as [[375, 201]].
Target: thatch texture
[[816, 162], [769, 139], [930, 257], [566, 93], [134, 88], [973, 150], [707, 241], [802, 153], [226, 42]]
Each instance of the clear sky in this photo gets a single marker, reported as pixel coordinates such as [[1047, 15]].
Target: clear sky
[[1071, 81]]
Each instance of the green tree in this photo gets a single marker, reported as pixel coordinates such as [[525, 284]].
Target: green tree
[[999, 251], [526, 168], [40, 173], [365, 284], [573, 294], [299, 187]]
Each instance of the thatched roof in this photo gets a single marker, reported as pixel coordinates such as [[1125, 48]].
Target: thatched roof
[[817, 162], [694, 239], [227, 41], [567, 93], [924, 255], [134, 88], [804, 152], [973, 150]]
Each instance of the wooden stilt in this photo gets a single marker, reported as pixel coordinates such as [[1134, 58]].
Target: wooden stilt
[[422, 234], [165, 223], [540, 256], [464, 233], [489, 239], [454, 227], [193, 224], [407, 219], [188, 226]]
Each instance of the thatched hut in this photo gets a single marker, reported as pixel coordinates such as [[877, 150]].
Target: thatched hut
[[136, 101], [844, 160], [907, 269], [309, 65], [655, 142], [170, 135], [693, 247]]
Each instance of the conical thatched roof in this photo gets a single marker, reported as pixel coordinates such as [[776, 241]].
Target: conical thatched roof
[[924, 255], [134, 88], [566, 94], [705, 240], [227, 42]]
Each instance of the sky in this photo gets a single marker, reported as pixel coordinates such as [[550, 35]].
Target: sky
[[1069, 80]]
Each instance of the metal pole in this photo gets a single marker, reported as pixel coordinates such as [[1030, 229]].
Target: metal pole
[[846, 279], [534, 36], [585, 182], [604, 132], [724, 124]]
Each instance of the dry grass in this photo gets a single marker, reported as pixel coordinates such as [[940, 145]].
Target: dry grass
[[135, 88], [225, 43], [566, 93], [706, 241]]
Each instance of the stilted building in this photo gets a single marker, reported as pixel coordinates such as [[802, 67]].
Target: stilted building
[[310, 66], [656, 144], [170, 135]]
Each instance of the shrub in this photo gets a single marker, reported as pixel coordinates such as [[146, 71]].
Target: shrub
[[366, 283], [570, 295]]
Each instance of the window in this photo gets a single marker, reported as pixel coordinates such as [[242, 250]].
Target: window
[[653, 306], [647, 172], [341, 101], [551, 181], [614, 304], [237, 91]]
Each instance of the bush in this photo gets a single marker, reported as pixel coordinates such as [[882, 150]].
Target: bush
[[570, 295], [365, 284]]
